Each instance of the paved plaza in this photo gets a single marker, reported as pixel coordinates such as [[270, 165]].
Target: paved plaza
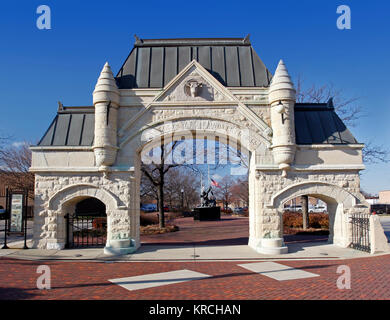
[[197, 266], [200, 281]]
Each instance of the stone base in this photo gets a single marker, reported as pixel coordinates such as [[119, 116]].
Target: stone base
[[45, 244], [378, 239], [119, 251], [207, 213], [272, 246], [119, 247]]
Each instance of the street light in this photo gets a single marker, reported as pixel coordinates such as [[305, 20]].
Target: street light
[[182, 198]]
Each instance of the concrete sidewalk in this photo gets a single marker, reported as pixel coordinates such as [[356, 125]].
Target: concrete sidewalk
[[189, 248], [297, 251]]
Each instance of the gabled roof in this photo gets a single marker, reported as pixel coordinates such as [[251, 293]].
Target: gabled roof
[[152, 63], [318, 123]]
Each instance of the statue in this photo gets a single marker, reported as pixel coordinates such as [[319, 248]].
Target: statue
[[206, 201], [208, 209]]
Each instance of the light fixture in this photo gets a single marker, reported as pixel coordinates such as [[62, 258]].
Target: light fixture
[[280, 108]]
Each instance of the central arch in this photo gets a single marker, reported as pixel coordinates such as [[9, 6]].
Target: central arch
[[210, 129]]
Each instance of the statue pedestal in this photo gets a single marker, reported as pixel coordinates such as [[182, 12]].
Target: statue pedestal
[[207, 213]]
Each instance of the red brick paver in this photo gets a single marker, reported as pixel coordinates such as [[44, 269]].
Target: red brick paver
[[230, 230], [89, 280]]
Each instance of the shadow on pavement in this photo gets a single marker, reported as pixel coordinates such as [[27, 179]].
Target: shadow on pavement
[[16, 294]]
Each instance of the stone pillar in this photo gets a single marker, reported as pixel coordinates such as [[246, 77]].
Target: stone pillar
[[265, 230], [378, 239], [305, 211], [106, 101], [282, 101]]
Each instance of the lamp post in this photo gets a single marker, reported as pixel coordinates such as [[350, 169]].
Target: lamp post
[[182, 198]]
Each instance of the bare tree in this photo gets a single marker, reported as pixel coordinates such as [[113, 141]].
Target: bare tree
[[178, 179], [156, 172], [348, 110], [373, 153], [240, 190], [15, 161], [224, 193], [148, 191]]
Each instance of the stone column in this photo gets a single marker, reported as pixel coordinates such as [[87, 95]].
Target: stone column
[[305, 211]]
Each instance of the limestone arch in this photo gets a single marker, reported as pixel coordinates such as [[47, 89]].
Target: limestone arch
[[138, 145], [68, 196], [239, 121], [64, 202], [197, 123], [318, 188], [338, 200]]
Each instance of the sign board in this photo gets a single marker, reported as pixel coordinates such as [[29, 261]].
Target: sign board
[[16, 221]]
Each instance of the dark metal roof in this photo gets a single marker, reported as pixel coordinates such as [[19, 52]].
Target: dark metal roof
[[315, 123], [72, 126], [152, 63], [318, 123]]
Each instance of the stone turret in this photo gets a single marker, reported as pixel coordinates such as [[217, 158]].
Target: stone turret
[[106, 101], [282, 101]]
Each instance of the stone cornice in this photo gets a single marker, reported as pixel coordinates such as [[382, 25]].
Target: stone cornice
[[80, 169], [331, 146], [62, 148], [311, 168]]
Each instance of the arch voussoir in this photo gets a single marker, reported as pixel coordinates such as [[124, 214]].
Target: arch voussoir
[[64, 196]]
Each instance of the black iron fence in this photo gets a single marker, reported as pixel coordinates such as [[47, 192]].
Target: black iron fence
[[361, 232], [85, 231], [14, 214], [4, 198]]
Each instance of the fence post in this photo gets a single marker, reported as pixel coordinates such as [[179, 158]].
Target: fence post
[[25, 217], [67, 230], [6, 218]]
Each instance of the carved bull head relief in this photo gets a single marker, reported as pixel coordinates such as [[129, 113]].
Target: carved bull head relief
[[192, 88]]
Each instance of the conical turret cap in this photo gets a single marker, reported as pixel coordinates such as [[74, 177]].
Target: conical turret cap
[[106, 80], [106, 85], [281, 79]]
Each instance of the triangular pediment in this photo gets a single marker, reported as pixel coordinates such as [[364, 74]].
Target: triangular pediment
[[178, 93], [194, 84]]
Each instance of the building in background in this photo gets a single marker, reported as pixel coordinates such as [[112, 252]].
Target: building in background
[[372, 200], [384, 197]]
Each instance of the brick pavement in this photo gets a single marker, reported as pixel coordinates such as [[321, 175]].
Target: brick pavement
[[229, 230], [228, 281], [81, 280]]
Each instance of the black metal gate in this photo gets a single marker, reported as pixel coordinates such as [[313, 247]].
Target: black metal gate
[[361, 232], [85, 231]]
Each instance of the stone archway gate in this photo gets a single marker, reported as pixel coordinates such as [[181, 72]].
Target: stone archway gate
[[190, 88]]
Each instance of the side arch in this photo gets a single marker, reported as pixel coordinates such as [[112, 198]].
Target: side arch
[[339, 202], [327, 191], [79, 191]]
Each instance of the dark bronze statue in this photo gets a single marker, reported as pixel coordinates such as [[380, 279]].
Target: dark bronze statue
[[206, 201]]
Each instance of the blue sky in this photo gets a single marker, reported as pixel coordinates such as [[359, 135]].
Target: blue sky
[[40, 67]]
